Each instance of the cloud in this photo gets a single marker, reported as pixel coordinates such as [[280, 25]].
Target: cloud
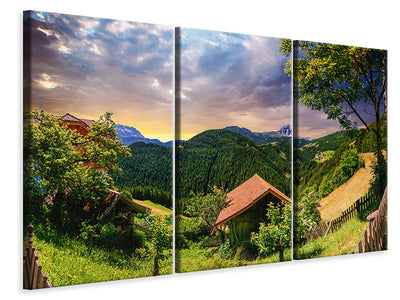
[[101, 64], [233, 78]]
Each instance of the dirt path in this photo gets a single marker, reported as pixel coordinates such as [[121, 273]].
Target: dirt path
[[341, 198]]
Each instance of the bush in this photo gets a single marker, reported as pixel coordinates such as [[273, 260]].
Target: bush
[[276, 235], [106, 236], [225, 250], [349, 163]]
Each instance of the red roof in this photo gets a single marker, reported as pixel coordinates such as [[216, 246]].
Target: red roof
[[71, 118], [245, 196]]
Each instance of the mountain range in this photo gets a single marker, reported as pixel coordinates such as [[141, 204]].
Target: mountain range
[[129, 135], [283, 134]]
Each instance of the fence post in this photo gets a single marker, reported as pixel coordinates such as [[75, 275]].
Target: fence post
[[33, 276]]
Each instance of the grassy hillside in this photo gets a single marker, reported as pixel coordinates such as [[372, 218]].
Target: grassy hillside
[[310, 169], [338, 243], [69, 261]]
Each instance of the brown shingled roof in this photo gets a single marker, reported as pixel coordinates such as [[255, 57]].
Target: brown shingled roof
[[71, 118], [245, 196]]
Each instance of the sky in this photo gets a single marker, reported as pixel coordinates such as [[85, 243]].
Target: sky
[[229, 79], [86, 66]]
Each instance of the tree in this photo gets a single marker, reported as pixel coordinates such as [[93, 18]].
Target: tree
[[58, 159], [275, 235], [306, 213], [349, 162], [341, 81], [161, 238], [204, 210]]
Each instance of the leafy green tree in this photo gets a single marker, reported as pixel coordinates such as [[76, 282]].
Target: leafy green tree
[[59, 160], [306, 213], [204, 210], [341, 81], [161, 238], [349, 163], [275, 235]]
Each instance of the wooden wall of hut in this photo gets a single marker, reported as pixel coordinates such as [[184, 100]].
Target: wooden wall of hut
[[244, 224]]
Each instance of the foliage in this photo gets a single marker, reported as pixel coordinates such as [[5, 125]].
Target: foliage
[[161, 239], [105, 236], [57, 160], [349, 163], [204, 210], [275, 235], [308, 208], [342, 81], [218, 157], [305, 213], [225, 250], [147, 174]]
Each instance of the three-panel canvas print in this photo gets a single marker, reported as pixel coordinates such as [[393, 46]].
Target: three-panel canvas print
[[151, 150]]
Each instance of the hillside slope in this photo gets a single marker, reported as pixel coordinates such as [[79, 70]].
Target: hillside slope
[[345, 195], [226, 158]]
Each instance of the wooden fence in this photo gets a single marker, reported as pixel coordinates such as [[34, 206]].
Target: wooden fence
[[374, 238], [321, 229], [33, 275], [363, 204]]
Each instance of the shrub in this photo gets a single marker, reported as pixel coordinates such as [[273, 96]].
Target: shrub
[[276, 235]]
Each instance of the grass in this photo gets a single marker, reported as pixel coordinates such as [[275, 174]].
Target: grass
[[340, 242], [68, 261], [197, 258], [155, 207]]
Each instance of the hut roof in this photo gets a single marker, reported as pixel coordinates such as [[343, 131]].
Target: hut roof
[[128, 202], [245, 196], [71, 118]]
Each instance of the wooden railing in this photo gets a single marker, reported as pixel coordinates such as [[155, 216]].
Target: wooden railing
[[321, 229], [363, 204], [374, 238], [33, 275]]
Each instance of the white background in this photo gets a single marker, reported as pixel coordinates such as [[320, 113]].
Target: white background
[[361, 23]]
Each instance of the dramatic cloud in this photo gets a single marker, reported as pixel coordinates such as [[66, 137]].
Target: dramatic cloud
[[86, 66], [232, 79]]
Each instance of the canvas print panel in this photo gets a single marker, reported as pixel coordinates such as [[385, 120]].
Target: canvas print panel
[[233, 151], [98, 98], [340, 165]]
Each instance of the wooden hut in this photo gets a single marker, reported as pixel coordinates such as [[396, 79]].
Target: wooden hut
[[123, 209], [247, 208]]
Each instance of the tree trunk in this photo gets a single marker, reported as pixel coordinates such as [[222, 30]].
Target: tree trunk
[[281, 258], [156, 267], [380, 162]]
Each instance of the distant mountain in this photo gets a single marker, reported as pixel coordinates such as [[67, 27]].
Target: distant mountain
[[283, 134], [286, 130], [129, 135]]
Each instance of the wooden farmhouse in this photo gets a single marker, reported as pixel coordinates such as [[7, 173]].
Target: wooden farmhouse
[[81, 126], [247, 208]]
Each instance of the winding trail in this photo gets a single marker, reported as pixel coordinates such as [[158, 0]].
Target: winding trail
[[345, 195]]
